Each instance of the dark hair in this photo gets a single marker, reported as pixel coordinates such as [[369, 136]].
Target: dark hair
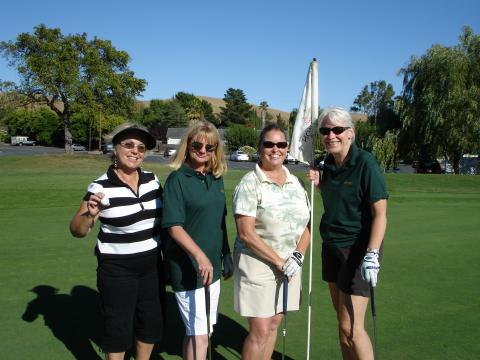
[[268, 128]]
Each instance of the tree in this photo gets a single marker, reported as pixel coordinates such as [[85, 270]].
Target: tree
[[254, 121], [377, 102], [208, 112], [385, 149], [69, 71], [440, 107], [236, 110], [162, 114], [41, 124], [263, 112], [195, 108], [281, 122], [363, 132], [237, 136], [9, 100], [291, 121]]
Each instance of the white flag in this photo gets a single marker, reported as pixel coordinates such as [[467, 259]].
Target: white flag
[[301, 145]]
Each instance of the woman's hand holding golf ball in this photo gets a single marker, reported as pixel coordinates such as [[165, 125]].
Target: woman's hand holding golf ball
[[96, 203]]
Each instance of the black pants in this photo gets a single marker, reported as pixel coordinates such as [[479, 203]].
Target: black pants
[[129, 288]]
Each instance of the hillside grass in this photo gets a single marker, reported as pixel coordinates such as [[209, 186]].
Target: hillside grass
[[427, 297]]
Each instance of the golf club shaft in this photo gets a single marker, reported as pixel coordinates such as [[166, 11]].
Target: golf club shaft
[[285, 309], [374, 320], [372, 299], [207, 309]]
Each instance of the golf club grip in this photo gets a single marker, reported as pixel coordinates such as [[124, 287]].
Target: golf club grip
[[285, 294], [372, 299]]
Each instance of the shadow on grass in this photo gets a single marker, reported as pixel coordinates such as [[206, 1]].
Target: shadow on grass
[[74, 319], [227, 335]]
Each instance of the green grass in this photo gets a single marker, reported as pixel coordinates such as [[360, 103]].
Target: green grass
[[427, 299]]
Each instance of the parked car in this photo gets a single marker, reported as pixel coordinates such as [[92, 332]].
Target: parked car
[[107, 148], [290, 159], [22, 140], [255, 157], [428, 167], [239, 155], [78, 147], [169, 152]]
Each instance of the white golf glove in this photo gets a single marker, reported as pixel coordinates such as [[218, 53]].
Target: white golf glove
[[370, 267], [227, 265], [293, 263]]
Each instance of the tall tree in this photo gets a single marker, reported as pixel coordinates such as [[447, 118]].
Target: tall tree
[[237, 136], [192, 106], [64, 71], [162, 114], [254, 120], [376, 100], [440, 108], [263, 112], [195, 108], [236, 110], [363, 132], [291, 121], [281, 121]]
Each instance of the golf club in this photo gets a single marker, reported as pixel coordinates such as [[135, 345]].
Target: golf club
[[374, 318], [207, 309], [285, 299]]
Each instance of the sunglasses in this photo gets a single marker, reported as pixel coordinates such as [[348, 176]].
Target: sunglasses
[[130, 146], [197, 146], [337, 130], [271, 144]]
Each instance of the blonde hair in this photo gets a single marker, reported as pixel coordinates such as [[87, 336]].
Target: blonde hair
[[203, 130]]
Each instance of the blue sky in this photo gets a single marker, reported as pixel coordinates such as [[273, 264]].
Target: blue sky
[[261, 47]]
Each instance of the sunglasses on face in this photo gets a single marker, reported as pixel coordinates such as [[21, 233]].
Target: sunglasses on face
[[271, 144], [197, 146], [337, 130], [130, 146]]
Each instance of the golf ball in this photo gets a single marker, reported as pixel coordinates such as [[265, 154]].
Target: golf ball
[[105, 201]]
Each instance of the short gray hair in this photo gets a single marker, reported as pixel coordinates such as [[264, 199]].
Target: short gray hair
[[337, 115]]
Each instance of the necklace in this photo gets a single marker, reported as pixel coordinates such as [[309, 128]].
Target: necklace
[[130, 180]]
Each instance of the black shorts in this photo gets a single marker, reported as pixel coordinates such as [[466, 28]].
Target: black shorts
[[129, 289], [342, 266]]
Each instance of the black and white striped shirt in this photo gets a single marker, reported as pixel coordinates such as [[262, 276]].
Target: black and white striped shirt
[[131, 224]]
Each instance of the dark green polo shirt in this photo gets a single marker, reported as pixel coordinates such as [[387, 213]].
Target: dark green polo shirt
[[197, 203], [347, 195]]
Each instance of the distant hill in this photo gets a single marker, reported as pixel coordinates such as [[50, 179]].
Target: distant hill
[[218, 103]]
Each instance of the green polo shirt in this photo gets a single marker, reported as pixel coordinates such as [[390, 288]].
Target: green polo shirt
[[197, 203], [347, 195]]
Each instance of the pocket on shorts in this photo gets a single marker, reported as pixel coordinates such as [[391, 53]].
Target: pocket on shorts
[[254, 271]]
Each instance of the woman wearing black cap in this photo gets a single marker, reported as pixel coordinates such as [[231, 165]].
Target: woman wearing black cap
[[127, 201]]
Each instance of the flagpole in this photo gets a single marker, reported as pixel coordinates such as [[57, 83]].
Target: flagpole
[[312, 193], [302, 148], [314, 114]]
